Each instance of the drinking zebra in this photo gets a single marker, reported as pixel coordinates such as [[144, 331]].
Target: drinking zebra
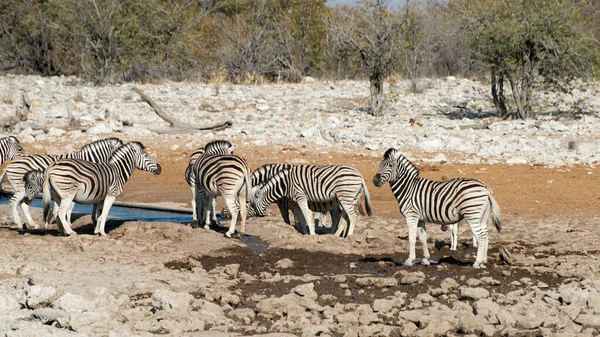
[[227, 175], [443, 202], [98, 151], [304, 184], [260, 176], [84, 182], [214, 147], [10, 149]]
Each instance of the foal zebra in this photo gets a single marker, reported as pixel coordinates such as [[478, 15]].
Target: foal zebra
[[214, 147], [10, 149], [84, 182], [98, 151], [440, 202], [227, 175], [338, 186]]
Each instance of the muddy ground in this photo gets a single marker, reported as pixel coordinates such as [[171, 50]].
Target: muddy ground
[[550, 226]]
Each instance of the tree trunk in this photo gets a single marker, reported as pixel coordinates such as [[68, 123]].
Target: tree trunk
[[376, 82], [498, 92]]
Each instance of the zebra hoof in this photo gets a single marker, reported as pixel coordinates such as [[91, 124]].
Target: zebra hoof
[[207, 227], [478, 265], [228, 234], [425, 261], [34, 226], [408, 263], [195, 224]]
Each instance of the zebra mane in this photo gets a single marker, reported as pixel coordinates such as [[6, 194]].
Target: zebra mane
[[389, 153], [409, 168], [100, 142], [124, 149], [10, 139], [280, 175]]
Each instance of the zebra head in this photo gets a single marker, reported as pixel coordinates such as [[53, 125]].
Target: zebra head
[[142, 160], [34, 182], [394, 166], [10, 149], [274, 189], [219, 147]]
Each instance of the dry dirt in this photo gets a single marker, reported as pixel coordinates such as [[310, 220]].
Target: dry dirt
[[547, 211]]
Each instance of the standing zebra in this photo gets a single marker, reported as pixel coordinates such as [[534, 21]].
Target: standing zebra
[[98, 151], [441, 202], [227, 175], [84, 182], [214, 147], [10, 149], [323, 184]]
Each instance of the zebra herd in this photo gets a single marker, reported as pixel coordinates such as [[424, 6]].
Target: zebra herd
[[97, 173]]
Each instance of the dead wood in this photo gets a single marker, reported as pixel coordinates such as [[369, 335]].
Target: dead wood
[[175, 125]]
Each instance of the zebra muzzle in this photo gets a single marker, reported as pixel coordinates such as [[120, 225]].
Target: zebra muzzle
[[377, 180], [158, 169]]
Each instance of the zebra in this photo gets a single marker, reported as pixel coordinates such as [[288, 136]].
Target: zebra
[[260, 176], [10, 148], [84, 182], [321, 184], [442, 202], [98, 151], [214, 147], [227, 175]]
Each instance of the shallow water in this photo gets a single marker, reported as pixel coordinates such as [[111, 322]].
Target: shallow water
[[124, 213]]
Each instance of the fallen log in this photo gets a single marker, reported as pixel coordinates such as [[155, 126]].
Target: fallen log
[[176, 126]]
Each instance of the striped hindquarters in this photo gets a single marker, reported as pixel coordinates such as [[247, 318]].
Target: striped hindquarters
[[222, 174], [90, 182], [16, 169]]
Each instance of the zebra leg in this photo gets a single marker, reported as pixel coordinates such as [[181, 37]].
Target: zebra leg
[[213, 212], [65, 203], [108, 201], [412, 222], [14, 202], [285, 213], [336, 216], [454, 236], [233, 208], [30, 222], [300, 218], [242, 202], [194, 211], [208, 202], [474, 241], [70, 211], [479, 229], [96, 211], [198, 204], [308, 217], [421, 230], [351, 217]]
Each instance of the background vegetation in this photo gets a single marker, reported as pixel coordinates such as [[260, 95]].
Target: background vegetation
[[516, 45]]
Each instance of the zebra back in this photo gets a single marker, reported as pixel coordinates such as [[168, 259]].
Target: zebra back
[[98, 151], [265, 172], [214, 147]]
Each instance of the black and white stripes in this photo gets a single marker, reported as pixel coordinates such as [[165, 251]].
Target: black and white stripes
[[98, 151], [443, 202], [10, 149], [322, 184], [75, 180], [227, 175]]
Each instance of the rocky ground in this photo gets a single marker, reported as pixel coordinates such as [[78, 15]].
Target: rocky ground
[[148, 278]]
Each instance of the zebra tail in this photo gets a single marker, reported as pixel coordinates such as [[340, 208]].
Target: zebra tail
[[46, 197], [2, 178], [495, 213], [249, 194], [367, 199]]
